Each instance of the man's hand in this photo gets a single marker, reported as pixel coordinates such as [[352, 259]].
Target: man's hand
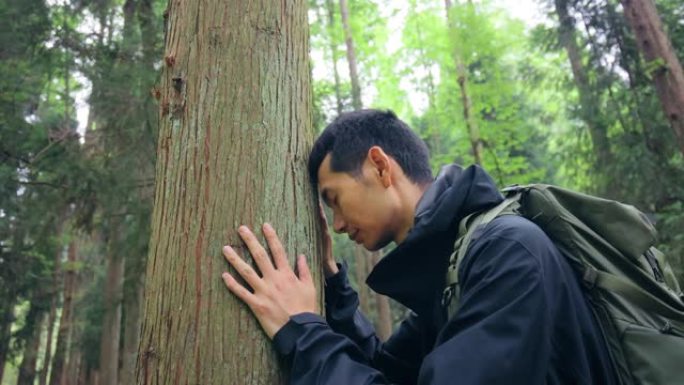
[[278, 293], [329, 264]]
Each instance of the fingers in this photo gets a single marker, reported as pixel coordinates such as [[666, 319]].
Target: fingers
[[237, 289], [244, 269], [277, 250], [258, 252], [303, 269]]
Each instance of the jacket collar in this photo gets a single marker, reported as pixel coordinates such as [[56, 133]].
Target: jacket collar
[[414, 272]]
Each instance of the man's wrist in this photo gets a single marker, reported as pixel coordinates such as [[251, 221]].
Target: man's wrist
[[330, 269]]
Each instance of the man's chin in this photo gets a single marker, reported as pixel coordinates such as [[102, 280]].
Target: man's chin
[[376, 245]]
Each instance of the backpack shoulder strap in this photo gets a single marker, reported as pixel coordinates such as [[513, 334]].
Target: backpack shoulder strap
[[466, 231]]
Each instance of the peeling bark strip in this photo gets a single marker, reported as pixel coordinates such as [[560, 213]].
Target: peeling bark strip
[[235, 133], [665, 68]]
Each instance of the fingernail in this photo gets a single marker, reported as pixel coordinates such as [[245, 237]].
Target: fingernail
[[268, 227], [227, 249]]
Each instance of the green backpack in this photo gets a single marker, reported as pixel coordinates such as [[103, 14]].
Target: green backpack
[[630, 285]]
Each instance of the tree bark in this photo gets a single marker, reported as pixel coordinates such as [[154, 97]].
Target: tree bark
[[57, 376], [466, 101], [235, 133], [662, 62], [351, 57]]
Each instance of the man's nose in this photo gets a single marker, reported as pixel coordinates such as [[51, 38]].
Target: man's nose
[[338, 224]]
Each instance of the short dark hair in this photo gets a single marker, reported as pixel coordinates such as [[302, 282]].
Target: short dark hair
[[349, 137]]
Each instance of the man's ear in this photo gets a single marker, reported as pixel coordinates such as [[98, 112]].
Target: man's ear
[[381, 165]]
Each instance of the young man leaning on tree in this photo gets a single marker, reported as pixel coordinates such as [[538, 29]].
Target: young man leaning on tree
[[522, 316]]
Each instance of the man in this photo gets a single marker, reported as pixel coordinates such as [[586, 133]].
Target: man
[[522, 316]]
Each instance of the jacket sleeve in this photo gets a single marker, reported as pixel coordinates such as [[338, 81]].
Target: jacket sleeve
[[345, 350], [400, 356], [501, 333]]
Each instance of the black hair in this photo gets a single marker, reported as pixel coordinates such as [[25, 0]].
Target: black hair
[[349, 137]]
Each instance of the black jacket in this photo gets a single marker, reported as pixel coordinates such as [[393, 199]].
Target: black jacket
[[522, 319]]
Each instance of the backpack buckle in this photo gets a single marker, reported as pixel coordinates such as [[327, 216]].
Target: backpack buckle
[[589, 277], [447, 295]]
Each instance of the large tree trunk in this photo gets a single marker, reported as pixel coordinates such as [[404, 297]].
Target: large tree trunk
[[662, 62], [351, 57], [466, 101], [235, 133], [57, 373]]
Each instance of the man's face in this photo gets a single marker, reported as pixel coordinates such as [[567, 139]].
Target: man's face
[[362, 206]]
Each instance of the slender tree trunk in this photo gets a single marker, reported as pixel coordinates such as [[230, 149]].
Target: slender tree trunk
[[6, 319], [131, 338], [351, 56], [57, 374], [384, 322], [588, 102], [335, 54], [361, 272], [662, 62], [50, 326], [462, 79], [27, 369], [111, 326], [235, 132]]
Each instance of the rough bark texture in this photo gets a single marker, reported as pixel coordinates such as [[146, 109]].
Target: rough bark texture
[[235, 133], [662, 62], [351, 56], [462, 79], [58, 359]]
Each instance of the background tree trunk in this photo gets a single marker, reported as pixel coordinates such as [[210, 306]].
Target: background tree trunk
[[330, 8], [131, 338], [661, 61], [235, 133], [589, 103], [384, 322], [50, 326], [111, 326], [58, 359], [27, 369], [466, 101], [351, 56]]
